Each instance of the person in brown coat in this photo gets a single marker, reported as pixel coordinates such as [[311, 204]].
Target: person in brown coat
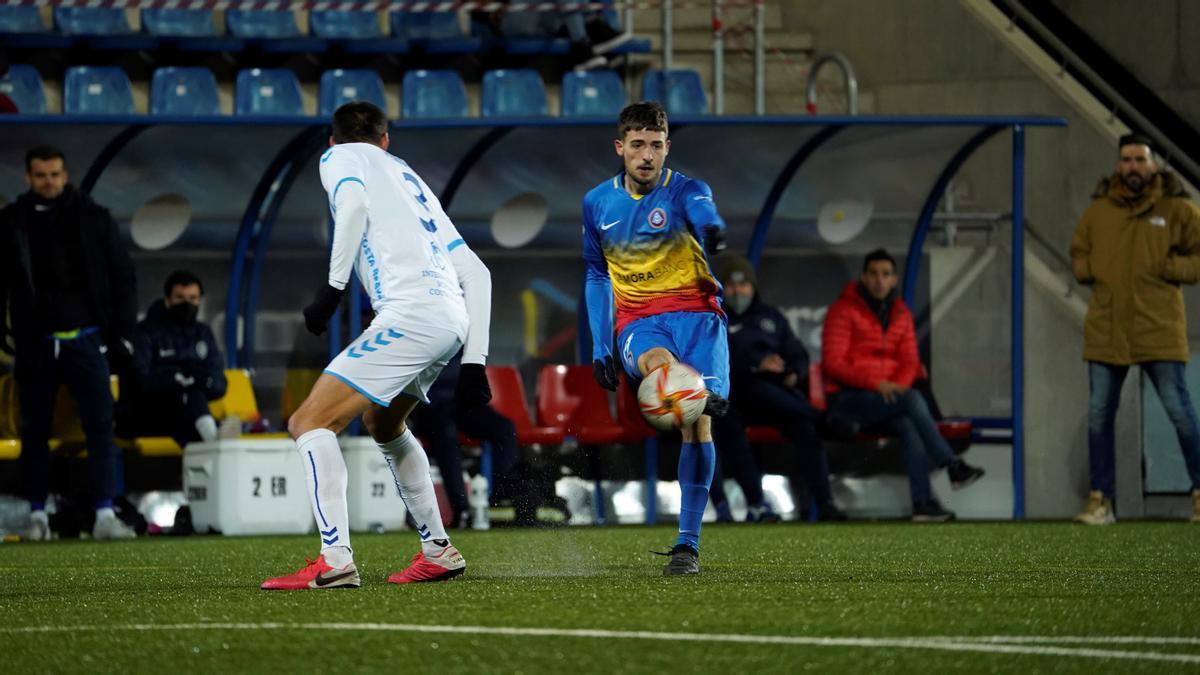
[[1136, 245]]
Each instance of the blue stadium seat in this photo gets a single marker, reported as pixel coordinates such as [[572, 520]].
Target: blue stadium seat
[[342, 86], [91, 21], [184, 91], [433, 93], [434, 32], [268, 91], [679, 91], [592, 92], [261, 23], [97, 90], [22, 19], [345, 25], [179, 22], [23, 85], [512, 93]]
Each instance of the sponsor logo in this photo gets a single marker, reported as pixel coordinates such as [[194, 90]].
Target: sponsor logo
[[1158, 221], [656, 273], [657, 219], [322, 580], [609, 225]]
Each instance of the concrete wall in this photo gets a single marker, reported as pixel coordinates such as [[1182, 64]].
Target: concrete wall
[[932, 57]]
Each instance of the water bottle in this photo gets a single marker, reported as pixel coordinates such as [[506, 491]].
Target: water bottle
[[478, 500]]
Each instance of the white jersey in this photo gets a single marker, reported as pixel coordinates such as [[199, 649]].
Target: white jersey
[[390, 227]]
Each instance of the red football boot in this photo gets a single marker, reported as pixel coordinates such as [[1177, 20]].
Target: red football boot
[[316, 574], [442, 567]]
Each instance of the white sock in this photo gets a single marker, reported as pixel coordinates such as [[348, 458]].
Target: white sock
[[105, 512], [325, 473], [40, 517], [206, 426], [410, 467]]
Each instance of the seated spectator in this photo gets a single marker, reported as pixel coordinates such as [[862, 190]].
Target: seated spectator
[[768, 368], [177, 368], [439, 422], [590, 33], [869, 359]]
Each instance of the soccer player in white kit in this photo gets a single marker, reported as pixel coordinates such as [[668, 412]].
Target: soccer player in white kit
[[431, 296]]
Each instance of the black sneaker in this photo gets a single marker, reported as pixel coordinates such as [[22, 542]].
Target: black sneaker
[[715, 405], [684, 560], [963, 474], [931, 512]]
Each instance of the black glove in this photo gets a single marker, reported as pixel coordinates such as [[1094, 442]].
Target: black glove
[[316, 315], [714, 239], [472, 389], [605, 373]]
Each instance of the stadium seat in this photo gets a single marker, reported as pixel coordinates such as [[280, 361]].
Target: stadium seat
[[97, 90], [179, 22], [568, 397], [433, 93], [434, 32], [23, 85], [342, 86], [263, 91], [592, 92], [91, 21], [508, 399], [333, 25], [184, 91], [262, 23], [22, 19], [512, 93], [679, 91], [629, 413]]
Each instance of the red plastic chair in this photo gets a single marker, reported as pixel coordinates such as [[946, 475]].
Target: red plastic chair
[[568, 397], [508, 399], [629, 413]]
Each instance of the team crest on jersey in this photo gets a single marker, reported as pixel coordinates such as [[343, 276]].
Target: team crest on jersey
[[657, 219]]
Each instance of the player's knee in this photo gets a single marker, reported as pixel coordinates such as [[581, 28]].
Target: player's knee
[[309, 418], [653, 358]]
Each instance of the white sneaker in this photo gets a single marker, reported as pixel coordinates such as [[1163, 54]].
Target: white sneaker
[[1099, 510], [39, 527], [112, 527]]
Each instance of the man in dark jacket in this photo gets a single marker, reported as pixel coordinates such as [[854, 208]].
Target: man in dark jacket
[[68, 285], [177, 368], [768, 369]]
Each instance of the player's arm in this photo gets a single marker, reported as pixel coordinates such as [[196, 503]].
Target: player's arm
[[598, 296], [341, 174], [707, 225], [472, 389]]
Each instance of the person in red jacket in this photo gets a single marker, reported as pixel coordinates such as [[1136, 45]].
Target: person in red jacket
[[869, 359]]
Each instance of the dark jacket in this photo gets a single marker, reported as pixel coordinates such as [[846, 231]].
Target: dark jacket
[[112, 290], [758, 332], [162, 348]]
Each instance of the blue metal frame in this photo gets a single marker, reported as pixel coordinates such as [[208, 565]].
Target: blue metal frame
[[106, 156], [1018, 320], [468, 162], [763, 224], [912, 262]]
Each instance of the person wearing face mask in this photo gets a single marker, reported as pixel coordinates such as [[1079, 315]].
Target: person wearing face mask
[[68, 287], [178, 368], [768, 369], [1136, 245]]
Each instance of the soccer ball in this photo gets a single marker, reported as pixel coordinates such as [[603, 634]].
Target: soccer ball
[[672, 396]]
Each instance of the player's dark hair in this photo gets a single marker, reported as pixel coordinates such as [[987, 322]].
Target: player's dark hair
[[43, 153], [644, 116], [878, 254], [359, 122], [181, 278]]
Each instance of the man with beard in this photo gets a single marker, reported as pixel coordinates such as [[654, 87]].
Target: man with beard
[[869, 359], [1136, 245], [68, 285], [178, 368]]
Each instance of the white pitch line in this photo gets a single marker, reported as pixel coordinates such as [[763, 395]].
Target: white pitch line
[[1073, 639], [985, 644]]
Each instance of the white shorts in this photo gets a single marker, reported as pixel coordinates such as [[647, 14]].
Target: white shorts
[[389, 360]]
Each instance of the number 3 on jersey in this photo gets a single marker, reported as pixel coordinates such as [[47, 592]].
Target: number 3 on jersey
[[417, 192]]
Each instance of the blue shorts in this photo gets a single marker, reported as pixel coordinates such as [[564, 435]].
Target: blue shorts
[[698, 339]]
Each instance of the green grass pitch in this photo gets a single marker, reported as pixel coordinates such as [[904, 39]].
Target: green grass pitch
[[855, 598]]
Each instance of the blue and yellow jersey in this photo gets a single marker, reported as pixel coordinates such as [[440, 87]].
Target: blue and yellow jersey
[[649, 248]]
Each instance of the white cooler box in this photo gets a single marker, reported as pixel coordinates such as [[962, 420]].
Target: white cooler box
[[247, 486], [373, 500]]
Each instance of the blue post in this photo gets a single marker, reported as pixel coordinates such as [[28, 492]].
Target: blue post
[[1018, 321], [651, 447], [485, 464]]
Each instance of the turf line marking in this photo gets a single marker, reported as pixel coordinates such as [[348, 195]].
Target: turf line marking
[[1074, 639], [942, 643]]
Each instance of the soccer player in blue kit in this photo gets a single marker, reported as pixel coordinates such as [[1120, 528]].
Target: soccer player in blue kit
[[646, 235]]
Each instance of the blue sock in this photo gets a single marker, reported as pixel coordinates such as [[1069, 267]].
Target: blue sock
[[696, 464], [104, 503]]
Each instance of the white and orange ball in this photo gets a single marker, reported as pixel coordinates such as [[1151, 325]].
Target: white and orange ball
[[672, 396]]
